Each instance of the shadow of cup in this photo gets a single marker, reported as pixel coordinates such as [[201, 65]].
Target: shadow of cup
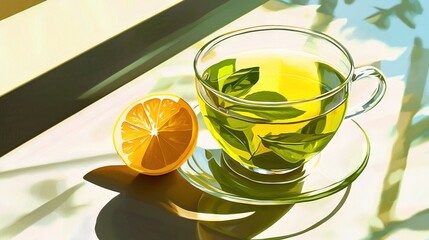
[[262, 218], [168, 207]]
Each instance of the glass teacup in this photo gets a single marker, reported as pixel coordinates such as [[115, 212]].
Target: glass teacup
[[274, 96]]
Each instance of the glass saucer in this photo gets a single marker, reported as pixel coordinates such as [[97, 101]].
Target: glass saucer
[[336, 167]]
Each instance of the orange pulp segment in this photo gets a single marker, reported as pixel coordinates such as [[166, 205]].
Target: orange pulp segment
[[156, 134]]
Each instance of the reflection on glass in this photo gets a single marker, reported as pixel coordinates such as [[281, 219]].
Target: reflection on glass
[[245, 228], [252, 187]]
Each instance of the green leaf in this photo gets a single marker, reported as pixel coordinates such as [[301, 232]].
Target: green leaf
[[233, 123], [241, 81], [329, 77], [237, 139], [208, 154], [269, 113], [315, 126], [266, 96], [294, 138], [270, 160], [296, 147], [218, 71], [230, 125]]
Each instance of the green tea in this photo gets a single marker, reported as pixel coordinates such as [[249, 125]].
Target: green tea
[[256, 128]]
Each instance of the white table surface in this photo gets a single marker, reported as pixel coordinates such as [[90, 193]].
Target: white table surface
[[43, 193]]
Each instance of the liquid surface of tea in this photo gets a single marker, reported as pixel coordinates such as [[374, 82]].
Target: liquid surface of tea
[[266, 136]]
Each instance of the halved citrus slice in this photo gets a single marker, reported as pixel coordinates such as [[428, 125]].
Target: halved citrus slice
[[156, 134]]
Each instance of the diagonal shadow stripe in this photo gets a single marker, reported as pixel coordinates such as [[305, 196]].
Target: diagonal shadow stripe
[[37, 214], [56, 165], [50, 98], [406, 131], [12, 7]]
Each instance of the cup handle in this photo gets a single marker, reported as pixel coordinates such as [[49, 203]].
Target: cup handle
[[377, 95]]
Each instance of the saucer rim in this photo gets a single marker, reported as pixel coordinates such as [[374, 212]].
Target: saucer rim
[[307, 196]]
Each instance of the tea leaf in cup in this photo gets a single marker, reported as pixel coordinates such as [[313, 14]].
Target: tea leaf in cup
[[266, 96], [237, 139], [315, 126], [273, 113], [208, 154], [294, 138], [295, 147], [269, 113], [218, 71], [241, 81], [271, 160], [231, 122], [329, 77]]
